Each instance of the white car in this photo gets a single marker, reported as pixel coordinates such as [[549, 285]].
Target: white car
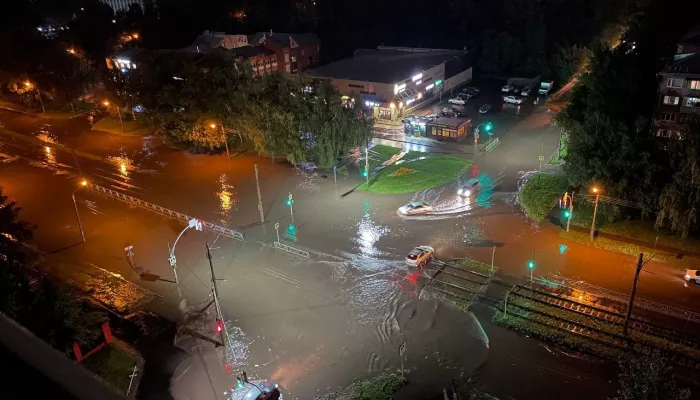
[[507, 88], [693, 275], [512, 100], [415, 207], [470, 188], [420, 256], [457, 100]]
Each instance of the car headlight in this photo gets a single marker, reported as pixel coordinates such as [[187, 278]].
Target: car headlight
[[467, 192], [459, 191], [687, 276], [402, 210]]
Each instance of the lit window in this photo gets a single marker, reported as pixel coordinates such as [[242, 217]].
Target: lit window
[[672, 100], [695, 85], [692, 102], [668, 117], [665, 133], [674, 82]]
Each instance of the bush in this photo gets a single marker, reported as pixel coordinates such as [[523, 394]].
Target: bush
[[541, 193]]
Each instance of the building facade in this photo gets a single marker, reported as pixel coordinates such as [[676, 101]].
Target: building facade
[[295, 51], [448, 129], [678, 101], [390, 81], [262, 60]]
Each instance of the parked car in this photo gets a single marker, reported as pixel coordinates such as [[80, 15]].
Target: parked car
[[464, 96], [507, 88], [409, 119], [470, 188], [419, 256], [432, 116], [457, 101], [484, 108], [415, 207], [693, 275], [526, 91], [512, 100], [471, 90]]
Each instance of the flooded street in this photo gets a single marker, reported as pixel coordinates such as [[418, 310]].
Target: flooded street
[[310, 325]]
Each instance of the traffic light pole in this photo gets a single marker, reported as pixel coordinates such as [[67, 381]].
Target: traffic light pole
[[571, 211], [260, 206], [640, 265], [215, 293], [533, 265], [367, 163]]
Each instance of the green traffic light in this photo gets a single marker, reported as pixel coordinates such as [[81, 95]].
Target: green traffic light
[[364, 174], [488, 127], [567, 214], [531, 264], [292, 229], [289, 202]]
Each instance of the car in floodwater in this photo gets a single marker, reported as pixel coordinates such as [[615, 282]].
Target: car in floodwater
[[420, 256], [415, 207], [471, 188], [693, 275]]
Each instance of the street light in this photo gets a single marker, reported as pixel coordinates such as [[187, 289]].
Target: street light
[[83, 183], [29, 86], [223, 133], [119, 112], [595, 190]]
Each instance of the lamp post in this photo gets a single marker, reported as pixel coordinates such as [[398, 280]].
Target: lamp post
[[595, 190], [193, 223], [223, 133], [75, 206], [119, 112], [29, 85]]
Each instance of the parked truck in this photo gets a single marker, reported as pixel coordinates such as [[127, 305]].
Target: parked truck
[[545, 87]]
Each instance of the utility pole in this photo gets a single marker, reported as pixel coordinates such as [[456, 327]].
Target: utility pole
[[493, 256], [228, 155], [119, 112], [260, 206], [476, 141], [541, 157], [595, 211], [571, 211], [215, 293], [367, 163], [640, 265], [77, 214]]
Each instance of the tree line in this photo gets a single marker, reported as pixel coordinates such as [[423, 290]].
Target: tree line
[[199, 106], [611, 138]]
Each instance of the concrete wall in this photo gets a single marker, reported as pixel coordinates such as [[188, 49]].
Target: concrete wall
[[70, 375], [457, 80]]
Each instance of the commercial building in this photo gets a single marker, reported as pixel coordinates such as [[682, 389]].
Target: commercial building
[[678, 102], [448, 129], [392, 80], [210, 40], [295, 51]]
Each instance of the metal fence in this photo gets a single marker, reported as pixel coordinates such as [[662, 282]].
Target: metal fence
[[222, 230], [494, 143], [290, 249], [639, 302]]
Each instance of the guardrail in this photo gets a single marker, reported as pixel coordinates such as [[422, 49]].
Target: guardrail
[[494, 143], [639, 302], [222, 230], [290, 249]]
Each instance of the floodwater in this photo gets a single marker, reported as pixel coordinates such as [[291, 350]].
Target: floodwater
[[310, 325]]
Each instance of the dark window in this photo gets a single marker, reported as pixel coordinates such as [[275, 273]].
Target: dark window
[[668, 117]]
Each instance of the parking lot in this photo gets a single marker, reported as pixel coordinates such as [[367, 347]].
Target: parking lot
[[502, 115]]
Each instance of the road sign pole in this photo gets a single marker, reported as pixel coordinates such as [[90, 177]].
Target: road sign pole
[[533, 265], [291, 206], [260, 206], [277, 229], [571, 211], [402, 349], [493, 256]]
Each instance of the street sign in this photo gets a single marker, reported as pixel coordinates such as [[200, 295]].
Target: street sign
[[541, 158], [290, 196], [277, 225], [476, 135], [172, 261], [402, 348], [129, 251]]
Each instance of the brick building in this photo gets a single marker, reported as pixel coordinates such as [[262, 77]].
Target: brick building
[[678, 102], [295, 52], [262, 60]]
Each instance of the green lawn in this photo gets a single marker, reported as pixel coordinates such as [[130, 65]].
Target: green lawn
[[113, 364], [540, 194], [111, 125], [381, 387], [380, 153], [644, 231], [426, 173]]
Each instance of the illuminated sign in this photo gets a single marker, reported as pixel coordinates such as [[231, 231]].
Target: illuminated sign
[[416, 77], [438, 82], [429, 86], [398, 88]]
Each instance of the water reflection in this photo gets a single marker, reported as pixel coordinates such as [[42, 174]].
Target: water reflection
[[368, 233], [50, 155], [226, 198], [123, 164]]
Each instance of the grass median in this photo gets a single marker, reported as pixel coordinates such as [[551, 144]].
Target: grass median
[[540, 194], [418, 171], [382, 387], [114, 364], [130, 128]]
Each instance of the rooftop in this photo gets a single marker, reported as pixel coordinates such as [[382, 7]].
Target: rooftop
[[684, 64], [284, 39], [251, 51], [386, 65], [449, 122]]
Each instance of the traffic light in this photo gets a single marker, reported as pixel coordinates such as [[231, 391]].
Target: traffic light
[[567, 213], [292, 230], [364, 173], [240, 384], [219, 325], [488, 127], [531, 264], [289, 202]]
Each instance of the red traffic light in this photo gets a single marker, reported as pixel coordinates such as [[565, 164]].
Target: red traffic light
[[219, 325]]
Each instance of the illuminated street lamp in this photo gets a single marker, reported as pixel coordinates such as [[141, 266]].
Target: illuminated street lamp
[[71, 51], [223, 133], [119, 112], [595, 190], [83, 183], [29, 86]]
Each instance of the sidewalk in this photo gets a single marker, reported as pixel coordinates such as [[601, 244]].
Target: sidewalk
[[19, 108]]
